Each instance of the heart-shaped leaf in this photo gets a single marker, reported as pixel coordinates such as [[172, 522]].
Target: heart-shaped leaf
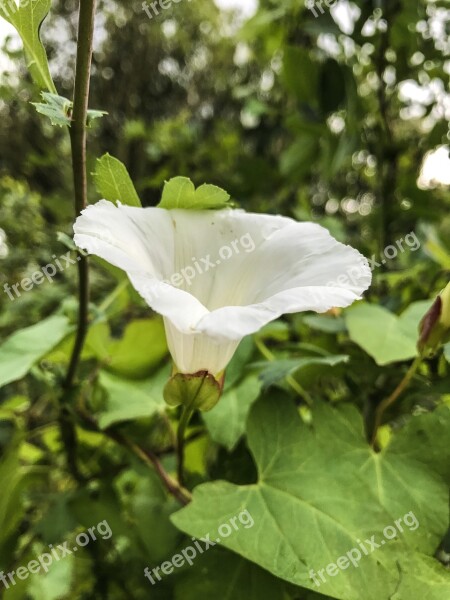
[[305, 521]]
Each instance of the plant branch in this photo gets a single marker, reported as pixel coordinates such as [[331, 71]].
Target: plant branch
[[147, 456], [177, 490], [78, 145], [389, 401]]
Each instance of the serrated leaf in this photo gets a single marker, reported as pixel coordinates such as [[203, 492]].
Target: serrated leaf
[[56, 108], [93, 115], [25, 347], [180, 192], [320, 489], [113, 182], [27, 19]]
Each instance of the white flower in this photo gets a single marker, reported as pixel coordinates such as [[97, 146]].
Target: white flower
[[217, 276]]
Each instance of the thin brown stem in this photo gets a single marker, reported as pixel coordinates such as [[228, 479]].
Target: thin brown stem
[[148, 457], [78, 146]]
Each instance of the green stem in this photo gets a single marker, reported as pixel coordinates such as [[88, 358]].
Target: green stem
[[389, 401], [188, 411], [289, 379], [78, 145]]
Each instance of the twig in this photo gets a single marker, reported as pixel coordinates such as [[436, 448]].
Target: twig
[[177, 490], [389, 401], [147, 456]]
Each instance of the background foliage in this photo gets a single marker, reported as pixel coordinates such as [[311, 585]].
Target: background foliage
[[290, 114]]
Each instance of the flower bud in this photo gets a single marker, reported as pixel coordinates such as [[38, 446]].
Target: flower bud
[[435, 326], [198, 390]]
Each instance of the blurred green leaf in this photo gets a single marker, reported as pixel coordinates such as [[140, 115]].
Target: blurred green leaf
[[25, 347], [299, 74], [131, 399], [56, 583], [384, 336], [276, 371], [141, 349], [220, 574]]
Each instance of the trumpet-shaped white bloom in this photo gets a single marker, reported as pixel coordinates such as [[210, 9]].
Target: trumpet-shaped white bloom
[[217, 276]]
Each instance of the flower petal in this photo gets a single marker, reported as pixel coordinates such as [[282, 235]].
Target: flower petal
[[217, 276], [299, 268], [141, 242]]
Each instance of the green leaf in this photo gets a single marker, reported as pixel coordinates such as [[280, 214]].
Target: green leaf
[[220, 574], [93, 115], [27, 19], [325, 324], [11, 476], [447, 352], [226, 422], [25, 347], [57, 582], [305, 520], [211, 196], [141, 349], [384, 336], [180, 192], [149, 505], [56, 108], [279, 369], [299, 74], [113, 182], [129, 399]]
